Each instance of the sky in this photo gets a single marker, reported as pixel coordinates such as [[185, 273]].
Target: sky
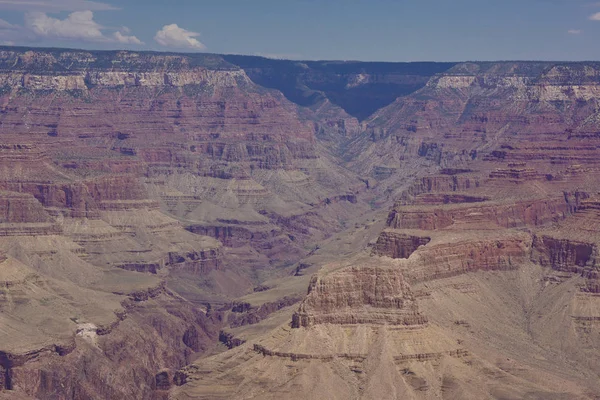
[[368, 30]]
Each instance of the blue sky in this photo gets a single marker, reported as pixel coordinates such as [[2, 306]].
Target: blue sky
[[382, 30]]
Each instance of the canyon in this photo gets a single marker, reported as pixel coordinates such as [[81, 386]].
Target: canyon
[[198, 226]]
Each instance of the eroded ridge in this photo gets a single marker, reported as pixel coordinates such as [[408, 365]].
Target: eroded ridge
[[359, 295]]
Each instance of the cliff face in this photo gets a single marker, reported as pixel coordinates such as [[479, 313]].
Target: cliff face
[[398, 245], [116, 168], [146, 111], [195, 130], [468, 216], [572, 246], [141, 191], [359, 295], [21, 208], [563, 254], [481, 114]]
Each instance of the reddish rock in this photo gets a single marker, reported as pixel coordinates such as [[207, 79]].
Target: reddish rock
[[471, 253], [359, 295], [564, 254], [398, 245], [21, 208], [508, 215]]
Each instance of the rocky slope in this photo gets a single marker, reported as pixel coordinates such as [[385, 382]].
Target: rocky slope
[[482, 283], [214, 150], [491, 117], [152, 204], [125, 176], [442, 312]]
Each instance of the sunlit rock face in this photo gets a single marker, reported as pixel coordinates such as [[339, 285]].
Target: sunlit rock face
[[151, 204]]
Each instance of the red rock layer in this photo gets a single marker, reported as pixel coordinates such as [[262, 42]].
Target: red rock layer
[[469, 254], [544, 114], [398, 245], [509, 215], [21, 208], [563, 254], [359, 295]]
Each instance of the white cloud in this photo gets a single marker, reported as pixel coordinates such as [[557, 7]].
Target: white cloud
[[595, 17], [574, 31], [54, 5], [179, 38], [78, 25], [126, 39]]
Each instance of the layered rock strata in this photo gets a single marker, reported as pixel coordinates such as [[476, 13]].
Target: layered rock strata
[[461, 216], [540, 113], [572, 246], [398, 245], [359, 295], [492, 164]]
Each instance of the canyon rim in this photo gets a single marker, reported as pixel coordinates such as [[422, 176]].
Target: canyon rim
[[203, 226]]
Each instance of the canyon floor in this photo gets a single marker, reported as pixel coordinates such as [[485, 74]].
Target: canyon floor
[[198, 226]]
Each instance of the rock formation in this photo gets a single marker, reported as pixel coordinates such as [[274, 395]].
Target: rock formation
[[490, 246], [398, 245], [143, 196], [359, 296]]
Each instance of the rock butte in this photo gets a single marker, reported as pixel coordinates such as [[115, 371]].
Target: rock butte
[[205, 227]]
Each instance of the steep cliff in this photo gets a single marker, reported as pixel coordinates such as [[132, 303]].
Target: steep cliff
[[493, 167], [359, 295], [127, 174], [142, 193], [398, 245], [204, 140], [482, 114]]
